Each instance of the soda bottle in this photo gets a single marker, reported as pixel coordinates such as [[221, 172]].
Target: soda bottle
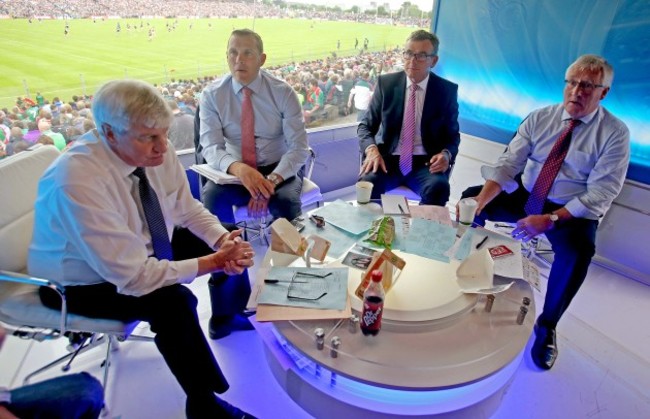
[[373, 305]]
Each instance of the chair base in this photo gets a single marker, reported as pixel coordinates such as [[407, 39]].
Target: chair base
[[256, 230]]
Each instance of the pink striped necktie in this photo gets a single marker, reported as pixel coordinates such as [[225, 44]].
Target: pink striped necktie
[[248, 129], [550, 169], [408, 134]]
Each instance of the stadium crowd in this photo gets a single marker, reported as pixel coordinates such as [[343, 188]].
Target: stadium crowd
[[79, 9], [330, 89]]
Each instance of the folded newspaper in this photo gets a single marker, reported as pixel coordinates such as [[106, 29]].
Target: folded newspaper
[[217, 176]]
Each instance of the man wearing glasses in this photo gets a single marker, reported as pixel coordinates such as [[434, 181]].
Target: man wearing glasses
[[409, 134], [559, 175]]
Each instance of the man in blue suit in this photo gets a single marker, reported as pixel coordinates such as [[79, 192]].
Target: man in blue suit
[[409, 134]]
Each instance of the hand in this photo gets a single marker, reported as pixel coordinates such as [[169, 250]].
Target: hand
[[439, 163], [531, 226], [372, 162], [256, 184], [236, 255], [258, 207]]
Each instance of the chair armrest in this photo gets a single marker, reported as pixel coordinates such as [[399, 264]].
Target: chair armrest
[[39, 282], [311, 161]]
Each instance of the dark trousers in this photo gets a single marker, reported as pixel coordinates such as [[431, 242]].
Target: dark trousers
[[229, 294], [285, 203], [171, 312], [573, 244], [73, 396], [433, 188]]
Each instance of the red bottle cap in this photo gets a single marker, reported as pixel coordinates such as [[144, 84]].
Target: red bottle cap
[[376, 275]]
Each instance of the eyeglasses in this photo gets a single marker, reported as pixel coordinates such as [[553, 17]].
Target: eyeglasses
[[315, 290], [420, 56], [585, 86]]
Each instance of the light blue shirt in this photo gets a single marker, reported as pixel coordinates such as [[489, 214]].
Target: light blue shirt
[[593, 171], [280, 134]]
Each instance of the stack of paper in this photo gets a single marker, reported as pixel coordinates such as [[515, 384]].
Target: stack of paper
[[217, 176]]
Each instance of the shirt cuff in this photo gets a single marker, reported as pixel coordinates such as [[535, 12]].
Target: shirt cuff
[[225, 163], [187, 270], [5, 395], [578, 209]]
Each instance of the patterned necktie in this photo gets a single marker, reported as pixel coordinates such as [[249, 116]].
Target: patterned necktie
[[162, 248], [248, 129], [408, 134], [549, 171]]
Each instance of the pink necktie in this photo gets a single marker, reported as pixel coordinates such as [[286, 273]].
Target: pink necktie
[[549, 171], [408, 134], [248, 130]]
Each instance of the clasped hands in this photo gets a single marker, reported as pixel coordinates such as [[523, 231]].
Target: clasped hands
[[260, 188], [237, 254], [374, 161]]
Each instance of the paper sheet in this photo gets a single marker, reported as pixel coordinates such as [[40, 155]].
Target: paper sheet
[[295, 288], [395, 205], [429, 239], [217, 176], [509, 266], [354, 220], [432, 213]]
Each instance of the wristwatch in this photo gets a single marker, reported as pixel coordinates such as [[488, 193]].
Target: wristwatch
[[553, 217], [274, 178]]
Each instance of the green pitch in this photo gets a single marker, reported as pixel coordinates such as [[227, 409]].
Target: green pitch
[[38, 56]]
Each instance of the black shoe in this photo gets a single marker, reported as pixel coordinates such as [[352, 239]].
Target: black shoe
[[213, 407], [544, 351], [222, 326], [230, 411]]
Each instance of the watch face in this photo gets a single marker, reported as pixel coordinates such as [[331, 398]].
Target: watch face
[[554, 217]]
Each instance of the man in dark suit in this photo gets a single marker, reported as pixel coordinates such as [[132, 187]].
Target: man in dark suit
[[409, 134]]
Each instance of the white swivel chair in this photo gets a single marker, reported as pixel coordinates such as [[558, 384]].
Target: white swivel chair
[[20, 306], [309, 196]]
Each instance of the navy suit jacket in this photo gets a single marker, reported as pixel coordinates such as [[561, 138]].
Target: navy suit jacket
[[382, 123]]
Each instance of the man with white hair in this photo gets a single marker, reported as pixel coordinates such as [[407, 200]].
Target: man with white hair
[[104, 228]]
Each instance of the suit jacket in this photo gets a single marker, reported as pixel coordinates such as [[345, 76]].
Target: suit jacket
[[382, 123]]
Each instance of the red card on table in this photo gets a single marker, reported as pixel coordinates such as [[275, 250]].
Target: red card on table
[[500, 251]]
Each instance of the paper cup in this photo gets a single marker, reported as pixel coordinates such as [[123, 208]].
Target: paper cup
[[364, 190], [467, 210]]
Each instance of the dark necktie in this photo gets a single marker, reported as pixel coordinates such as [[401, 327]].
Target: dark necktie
[[549, 171], [162, 248], [248, 130], [408, 134]]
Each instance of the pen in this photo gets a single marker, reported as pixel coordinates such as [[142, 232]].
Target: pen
[[478, 246], [275, 281], [400, 208]]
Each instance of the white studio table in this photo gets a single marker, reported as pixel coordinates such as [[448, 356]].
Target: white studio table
[[439, 350]]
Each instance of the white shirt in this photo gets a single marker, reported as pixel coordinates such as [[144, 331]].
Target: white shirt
[[593, 171], [89, 224]]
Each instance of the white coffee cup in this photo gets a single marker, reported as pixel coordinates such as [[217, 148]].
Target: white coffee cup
[[364, 190], [466, 210]]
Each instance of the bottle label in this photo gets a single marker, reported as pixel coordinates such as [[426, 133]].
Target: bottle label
[[372, 311]]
